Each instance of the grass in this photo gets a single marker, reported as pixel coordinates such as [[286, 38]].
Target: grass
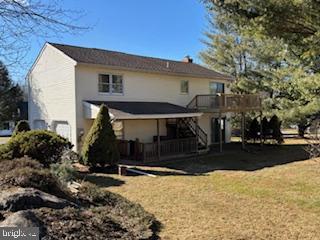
[[268, 193]]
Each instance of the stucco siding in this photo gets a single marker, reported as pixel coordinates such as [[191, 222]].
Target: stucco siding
[[52, 90]]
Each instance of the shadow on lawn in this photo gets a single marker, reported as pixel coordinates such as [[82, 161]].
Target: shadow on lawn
[[233, 158], [103, 180], [161, 172]]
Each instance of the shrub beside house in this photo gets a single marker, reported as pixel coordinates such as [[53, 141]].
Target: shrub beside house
[[100, 146]]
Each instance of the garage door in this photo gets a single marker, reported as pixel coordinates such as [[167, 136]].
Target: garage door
[[63, 129]]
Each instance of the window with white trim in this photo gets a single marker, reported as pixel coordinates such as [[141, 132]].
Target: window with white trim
[[111, 84], [184, 87]]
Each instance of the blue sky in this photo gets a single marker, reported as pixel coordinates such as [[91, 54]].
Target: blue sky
[[166, 28]]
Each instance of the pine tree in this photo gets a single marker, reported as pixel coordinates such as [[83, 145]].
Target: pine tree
[[100, 147], [22, 126], [295, 22], [263, 62], [275, 127], [265, 128], [254, 129], [10, 96]]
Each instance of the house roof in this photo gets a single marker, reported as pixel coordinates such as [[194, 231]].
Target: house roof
[[136, 110], [136, 62]]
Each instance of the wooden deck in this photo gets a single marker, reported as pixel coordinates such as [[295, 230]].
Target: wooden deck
[[226, 102]]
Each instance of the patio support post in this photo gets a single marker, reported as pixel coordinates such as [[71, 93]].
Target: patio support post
[[158, 139], [243, 126], [197, 134], [220, 132]]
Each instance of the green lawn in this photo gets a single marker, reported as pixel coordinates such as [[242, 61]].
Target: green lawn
[[269, 193]]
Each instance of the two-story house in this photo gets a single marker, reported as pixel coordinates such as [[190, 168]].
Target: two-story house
[[167, 107]]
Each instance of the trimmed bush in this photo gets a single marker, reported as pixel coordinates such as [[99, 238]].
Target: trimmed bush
[[64, 170], [275, 127], [254, 129], [45, 146], [100, 147], [4, 152], [265, 127], [22, 126]]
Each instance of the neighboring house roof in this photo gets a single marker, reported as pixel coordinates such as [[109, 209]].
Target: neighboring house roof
[[137, 63], [134, 110]]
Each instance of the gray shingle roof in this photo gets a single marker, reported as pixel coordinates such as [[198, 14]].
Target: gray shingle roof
[[144, 107], [137, 63]]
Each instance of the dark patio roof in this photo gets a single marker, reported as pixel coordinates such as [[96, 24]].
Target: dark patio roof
[[144, 108]]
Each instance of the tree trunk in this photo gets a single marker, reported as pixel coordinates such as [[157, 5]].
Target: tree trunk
[[301, 129]]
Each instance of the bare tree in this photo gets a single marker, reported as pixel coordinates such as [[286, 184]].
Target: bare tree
[[21, 20]]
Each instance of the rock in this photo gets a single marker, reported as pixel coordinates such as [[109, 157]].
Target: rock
[[24, 218], [29, 198], [21, 219]]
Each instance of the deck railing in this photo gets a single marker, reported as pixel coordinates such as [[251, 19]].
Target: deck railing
[[130, 149], [148, 152], [168, 148], [226, 102]]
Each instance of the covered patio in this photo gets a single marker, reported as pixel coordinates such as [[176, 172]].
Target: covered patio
[[152, 131]]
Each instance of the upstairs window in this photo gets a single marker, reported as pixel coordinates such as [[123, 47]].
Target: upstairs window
[[111, 84], [104, 84], [216, 87], [116, 86], [184, 87]]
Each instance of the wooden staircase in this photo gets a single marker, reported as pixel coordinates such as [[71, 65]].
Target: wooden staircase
[[188, 128]]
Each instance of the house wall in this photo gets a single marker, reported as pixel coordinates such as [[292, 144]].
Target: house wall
[[205, 123], [144, 130], [51, 85], [139, 86]]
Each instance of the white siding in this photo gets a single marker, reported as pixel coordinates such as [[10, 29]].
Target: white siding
[[144, 130], [52, 90], [140, 87], [58, 86]]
